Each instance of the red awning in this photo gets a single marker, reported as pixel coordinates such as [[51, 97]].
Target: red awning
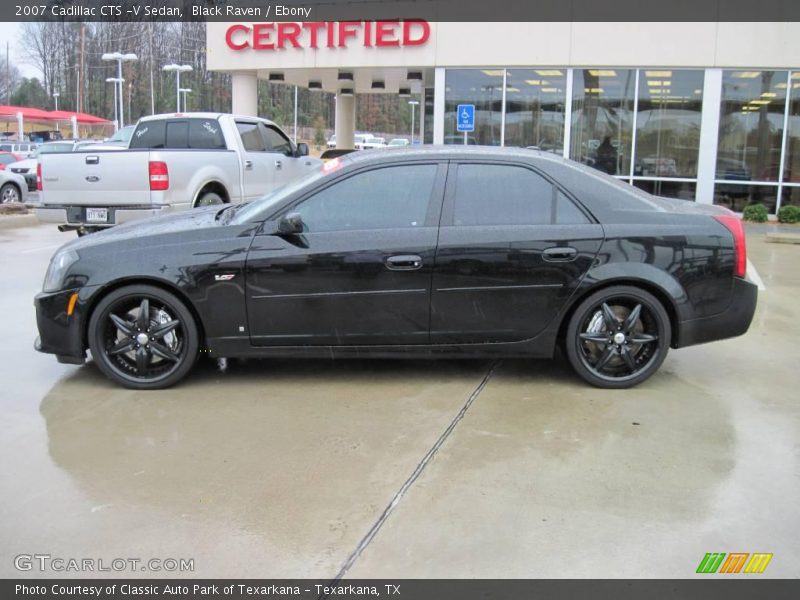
[[66, 115], [27, 112]]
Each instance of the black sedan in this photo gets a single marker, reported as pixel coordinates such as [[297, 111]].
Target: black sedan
[[437, 252]]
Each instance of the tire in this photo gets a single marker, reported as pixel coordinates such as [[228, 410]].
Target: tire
[[209, 199], [9, 194], [148, 354], [609, 351]]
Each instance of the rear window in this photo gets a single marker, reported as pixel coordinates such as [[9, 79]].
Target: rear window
[[179, 134], [7, 159]]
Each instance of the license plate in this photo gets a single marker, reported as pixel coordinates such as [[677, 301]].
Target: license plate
[[96, 215]]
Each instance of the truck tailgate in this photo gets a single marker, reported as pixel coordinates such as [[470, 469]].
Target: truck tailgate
[[95, 178]]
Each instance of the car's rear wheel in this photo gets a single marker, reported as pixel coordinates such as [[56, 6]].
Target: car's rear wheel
[[618, 337], [9, 193], [143, 337], [209, 199]]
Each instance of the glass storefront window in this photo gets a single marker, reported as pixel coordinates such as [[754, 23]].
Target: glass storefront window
[[790, 195], [484, 89], [668, 123], [683, 190], [736, 196], [751, 125], [535, 108], [602, 118], [791, 168]]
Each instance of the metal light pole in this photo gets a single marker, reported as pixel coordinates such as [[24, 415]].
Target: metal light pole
[[178, 70], [116, 81], [185, 92], [413, 104], [55, 98], [120, 58]]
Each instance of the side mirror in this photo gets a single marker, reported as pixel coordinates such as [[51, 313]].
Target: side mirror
[[291, 224], [302, 149]]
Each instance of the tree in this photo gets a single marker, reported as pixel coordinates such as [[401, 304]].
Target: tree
[[9, 79], [319, 132], [30, 92]]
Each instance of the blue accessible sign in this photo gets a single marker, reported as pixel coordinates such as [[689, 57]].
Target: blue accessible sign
[[465, 114]]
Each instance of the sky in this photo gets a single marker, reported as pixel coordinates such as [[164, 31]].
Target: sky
[[10, 32]]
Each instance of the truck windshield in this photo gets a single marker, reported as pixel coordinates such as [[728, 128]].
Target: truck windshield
[[260, 209]]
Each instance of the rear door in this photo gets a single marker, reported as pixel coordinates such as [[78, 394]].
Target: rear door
[[361, 272], [512, 249], [258, 164]]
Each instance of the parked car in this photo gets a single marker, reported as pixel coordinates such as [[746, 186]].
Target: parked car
[[23, 149], [173, 162], [399, 142], [27, 166], [12, 188], [372, 142], [531, 251], [7, 158], [332, 141]]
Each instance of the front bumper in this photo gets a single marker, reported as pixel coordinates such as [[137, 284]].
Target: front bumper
[[733, 321], [59, 333]]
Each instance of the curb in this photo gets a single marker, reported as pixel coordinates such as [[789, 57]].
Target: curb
[[783, 238], [14, 221]]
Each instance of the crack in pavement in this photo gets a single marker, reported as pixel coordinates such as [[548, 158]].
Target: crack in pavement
[[370, 535]]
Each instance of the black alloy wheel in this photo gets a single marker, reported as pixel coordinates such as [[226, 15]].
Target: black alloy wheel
[[143, 337], [618, 337]]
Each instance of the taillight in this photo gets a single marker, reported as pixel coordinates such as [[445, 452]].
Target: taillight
[[159, 176], [38, 177], [734, 224]]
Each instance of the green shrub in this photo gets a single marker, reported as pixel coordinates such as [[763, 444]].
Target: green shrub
[[789, 214], [755, 213]]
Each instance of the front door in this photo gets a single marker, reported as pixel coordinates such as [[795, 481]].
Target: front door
[[512, 249], [360, 273], [258, 168]]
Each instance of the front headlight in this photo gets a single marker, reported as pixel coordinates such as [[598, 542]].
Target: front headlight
[[61, 261]]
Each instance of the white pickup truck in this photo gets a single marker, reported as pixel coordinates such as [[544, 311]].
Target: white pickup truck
[[173, 162]]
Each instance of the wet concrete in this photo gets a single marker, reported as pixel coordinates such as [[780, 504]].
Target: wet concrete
[[280, 468]]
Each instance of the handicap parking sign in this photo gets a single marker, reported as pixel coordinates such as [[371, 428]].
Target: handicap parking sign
[[465, 114]]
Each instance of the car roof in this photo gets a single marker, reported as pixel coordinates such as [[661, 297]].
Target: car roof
[[197, 115], [455, 151]]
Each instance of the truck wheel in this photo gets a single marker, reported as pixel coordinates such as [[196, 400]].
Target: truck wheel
[[9, 193], [209, 199]]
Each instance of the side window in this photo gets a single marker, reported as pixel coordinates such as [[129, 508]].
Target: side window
[[387, 198], [177, 134], [501, 195], [205, 134], [276, 141], [251, 136], [567, 213], [149, 134]]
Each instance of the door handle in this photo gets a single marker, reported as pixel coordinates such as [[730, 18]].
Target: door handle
[[248, 164], [278, 164], [404, 262], [560, 253], [92, 160]]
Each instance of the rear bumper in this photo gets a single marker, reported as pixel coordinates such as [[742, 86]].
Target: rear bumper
[[733, 321], [75, 216]]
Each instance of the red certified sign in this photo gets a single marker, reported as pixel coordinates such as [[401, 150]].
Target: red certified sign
[[331, 34]]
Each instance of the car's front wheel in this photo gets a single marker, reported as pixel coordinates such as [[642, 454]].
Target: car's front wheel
[[143, 337], [618, 337]]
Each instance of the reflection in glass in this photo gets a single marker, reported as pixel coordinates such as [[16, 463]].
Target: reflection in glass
[[683, 190], [535, 109], [736, 196], [791, 169], [428, 130], [668, 123], [751, 125], [790, 195], [602, 117], [484, 89]]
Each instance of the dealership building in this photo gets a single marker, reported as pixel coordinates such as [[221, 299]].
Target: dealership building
[[704, 111]]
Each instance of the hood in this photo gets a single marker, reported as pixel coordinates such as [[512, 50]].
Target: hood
[[26, 163], [196, 218]]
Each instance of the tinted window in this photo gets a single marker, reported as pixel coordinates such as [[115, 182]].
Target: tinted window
[[177, 134], [251, 137], [205, 134], [567, 213], [149, 134], [387, 198], [501, 195], [276, 142], [6, 147]]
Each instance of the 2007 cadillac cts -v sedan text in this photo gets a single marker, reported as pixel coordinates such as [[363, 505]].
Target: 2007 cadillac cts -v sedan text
[[443, 251]]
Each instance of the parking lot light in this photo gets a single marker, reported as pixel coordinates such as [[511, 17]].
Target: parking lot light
[[178, 70]]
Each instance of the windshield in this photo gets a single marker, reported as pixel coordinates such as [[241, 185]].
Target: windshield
[[123, 135], [260, 209]]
